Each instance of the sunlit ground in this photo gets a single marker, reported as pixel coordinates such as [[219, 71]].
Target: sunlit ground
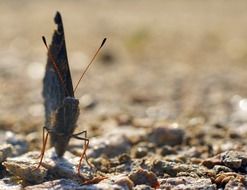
[[168, 59]]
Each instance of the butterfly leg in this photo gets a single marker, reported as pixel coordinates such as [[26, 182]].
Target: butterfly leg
[[86, 143], [96, 179], [45, 138]]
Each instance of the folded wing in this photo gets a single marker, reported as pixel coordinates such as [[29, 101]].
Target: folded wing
[[55, 90]]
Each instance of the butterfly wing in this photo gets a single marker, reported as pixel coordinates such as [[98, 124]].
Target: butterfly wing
[[56, 88]]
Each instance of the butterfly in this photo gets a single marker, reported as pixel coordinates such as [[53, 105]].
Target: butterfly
[[61, 106]]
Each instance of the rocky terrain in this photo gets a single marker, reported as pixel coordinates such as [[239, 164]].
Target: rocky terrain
[[164, 104]]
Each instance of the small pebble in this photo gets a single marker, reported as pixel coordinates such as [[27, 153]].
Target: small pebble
[[25, 167], [211, 162], [6, 150], [235, 184], [144, 177], [162, 167], [123, 119], [234, 159], [19, 143], [8, 184], [141, 152], [124, 158], [166, 135], [110, 146], [167, 150], [65, 184], [143, 187], [141, 98], [125, 183], [102, 164], [184, 183], [220, 168]]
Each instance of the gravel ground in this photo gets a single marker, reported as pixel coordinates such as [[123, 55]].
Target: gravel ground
[[164, 104]]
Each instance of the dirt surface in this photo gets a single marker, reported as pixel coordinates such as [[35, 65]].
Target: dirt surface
[[169, 85]]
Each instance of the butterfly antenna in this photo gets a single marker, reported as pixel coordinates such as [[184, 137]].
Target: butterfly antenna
[[84, 72], [54, 65]]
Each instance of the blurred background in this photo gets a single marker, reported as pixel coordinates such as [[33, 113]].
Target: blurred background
[[171, 60]]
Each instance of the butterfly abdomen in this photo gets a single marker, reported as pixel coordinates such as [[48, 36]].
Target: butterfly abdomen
[[65, 124]]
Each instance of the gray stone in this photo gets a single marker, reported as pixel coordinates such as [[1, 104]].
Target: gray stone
[[110, 146], [143, 187], [6, 150], [66, 167], [167, 135], [7, 184], [67, 184], [235, 184], [19, 143], [141, 176], [220, 168], [184, 183], [234, 159], [174, 169], [25, 167]]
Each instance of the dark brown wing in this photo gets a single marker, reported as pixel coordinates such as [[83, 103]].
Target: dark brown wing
[[55, 90]]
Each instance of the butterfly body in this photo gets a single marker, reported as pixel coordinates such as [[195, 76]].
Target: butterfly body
[[64, 124], [61, 107]]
